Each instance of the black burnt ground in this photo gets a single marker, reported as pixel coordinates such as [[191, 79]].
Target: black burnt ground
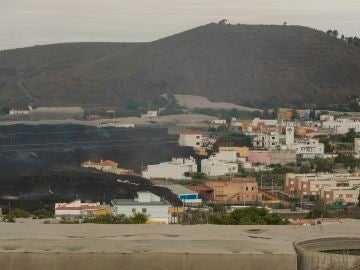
[[34, 192]]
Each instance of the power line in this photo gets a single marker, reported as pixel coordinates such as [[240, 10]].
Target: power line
[[86, 147], [85, 142], [76, 131]]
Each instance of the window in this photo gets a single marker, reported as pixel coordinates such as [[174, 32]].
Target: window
[[197, 143], [252, 188], [197, 137], [133, 210], [247, 188], [143, 210]]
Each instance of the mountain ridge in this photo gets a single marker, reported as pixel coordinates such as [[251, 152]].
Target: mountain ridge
[[250, 65]]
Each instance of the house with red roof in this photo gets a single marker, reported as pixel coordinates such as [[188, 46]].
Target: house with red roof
[[102, 165], [76, 208]]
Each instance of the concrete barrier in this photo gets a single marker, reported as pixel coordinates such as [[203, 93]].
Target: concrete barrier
[[334, 253], [159, 261]]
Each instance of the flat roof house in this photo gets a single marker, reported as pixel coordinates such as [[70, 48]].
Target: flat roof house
[[76, 208], [147, 203], [174, 169], [186, 195]]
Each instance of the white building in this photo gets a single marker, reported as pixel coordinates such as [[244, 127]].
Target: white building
[[304, 148], [290, 135], [147, 203], [214, 167], [357, 147], [76, 208], [308, 148], [343, 125], [116, 124], [266, 141], [150, 114], [191, 138], [18, 112], [326, 117], [218, 122], [174, 169]]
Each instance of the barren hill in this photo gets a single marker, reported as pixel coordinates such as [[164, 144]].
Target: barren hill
[[251, 65]]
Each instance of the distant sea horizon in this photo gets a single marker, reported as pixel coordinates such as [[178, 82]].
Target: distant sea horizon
[[25, 23]]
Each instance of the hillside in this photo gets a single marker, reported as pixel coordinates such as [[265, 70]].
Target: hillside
[[251, 65]]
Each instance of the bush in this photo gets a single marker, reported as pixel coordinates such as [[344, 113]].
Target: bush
[[139, 218], [19, 213], [8, 218], [108, 219], [42, 214], [248, 216], [69, 220]]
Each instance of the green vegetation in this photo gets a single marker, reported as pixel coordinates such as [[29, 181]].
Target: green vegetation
[[348, 161], [319, 211], [235, 139], [69, 220], [247, 216], [138, 218], [198, 175], [4, 110], [19, 213], [8, 218], [42, 214]]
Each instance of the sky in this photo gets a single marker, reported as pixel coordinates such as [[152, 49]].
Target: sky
[[34, 22]]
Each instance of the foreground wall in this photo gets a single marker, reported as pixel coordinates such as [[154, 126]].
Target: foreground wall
[[316, 254], [151, 261]]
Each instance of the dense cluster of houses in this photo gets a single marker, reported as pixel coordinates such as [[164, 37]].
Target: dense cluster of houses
[[237, 191], [327, 186], [281, 141]]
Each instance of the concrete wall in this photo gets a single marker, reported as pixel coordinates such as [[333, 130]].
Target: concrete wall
[[310, 257], [150, 261]]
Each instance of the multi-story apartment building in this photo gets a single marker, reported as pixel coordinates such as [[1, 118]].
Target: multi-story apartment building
[[308, 148], [343, 125], [266, 141], [329, 187]]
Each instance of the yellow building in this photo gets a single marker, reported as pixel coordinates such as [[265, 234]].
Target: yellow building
[[240, 151], [103, 212]]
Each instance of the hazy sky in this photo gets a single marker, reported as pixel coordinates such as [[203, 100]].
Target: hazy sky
[[31, 22]]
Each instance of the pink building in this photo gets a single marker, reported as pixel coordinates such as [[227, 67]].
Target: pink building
[[257, 156]]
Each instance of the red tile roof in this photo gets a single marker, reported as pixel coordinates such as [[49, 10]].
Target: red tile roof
[[106, 163], [109, 163]]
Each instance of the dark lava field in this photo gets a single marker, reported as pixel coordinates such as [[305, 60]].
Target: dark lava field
[[40, 165]]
